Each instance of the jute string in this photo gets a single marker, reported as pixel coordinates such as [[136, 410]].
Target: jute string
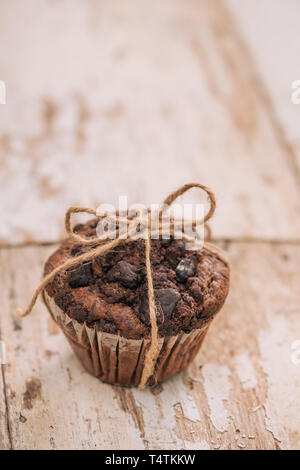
[[100, 245]]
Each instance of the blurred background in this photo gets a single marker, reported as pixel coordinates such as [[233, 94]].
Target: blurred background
[[131, 97]]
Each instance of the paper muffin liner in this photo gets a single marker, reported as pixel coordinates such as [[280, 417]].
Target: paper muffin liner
[[120, 361]]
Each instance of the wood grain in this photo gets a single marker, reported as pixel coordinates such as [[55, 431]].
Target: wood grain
[[144, 99], [241, 392]]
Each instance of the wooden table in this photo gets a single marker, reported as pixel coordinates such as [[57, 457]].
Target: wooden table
[[135, 97]]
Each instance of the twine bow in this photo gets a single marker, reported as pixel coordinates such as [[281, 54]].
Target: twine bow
[[99, 246]]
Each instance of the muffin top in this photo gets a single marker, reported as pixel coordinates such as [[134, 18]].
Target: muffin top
[[110, 292]]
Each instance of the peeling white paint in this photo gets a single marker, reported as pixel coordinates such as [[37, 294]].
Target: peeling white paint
[[159, 419], [245, 370], [217, 387], [159, 413], [175, 389], [282, 405]]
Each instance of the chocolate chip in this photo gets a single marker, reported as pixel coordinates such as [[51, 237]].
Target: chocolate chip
[[185, 269], [167, 298], [81, 276], [142, 311], [125, 273]]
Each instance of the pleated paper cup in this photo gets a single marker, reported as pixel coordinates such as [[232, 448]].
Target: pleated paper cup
[[120, 361]]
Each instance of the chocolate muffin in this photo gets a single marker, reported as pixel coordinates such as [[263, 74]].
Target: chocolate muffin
[[102, 306]]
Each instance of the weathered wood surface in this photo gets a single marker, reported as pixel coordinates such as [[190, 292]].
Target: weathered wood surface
[[271, 31], [132, 97], [242, 391], [135, 97], [5, 442]]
